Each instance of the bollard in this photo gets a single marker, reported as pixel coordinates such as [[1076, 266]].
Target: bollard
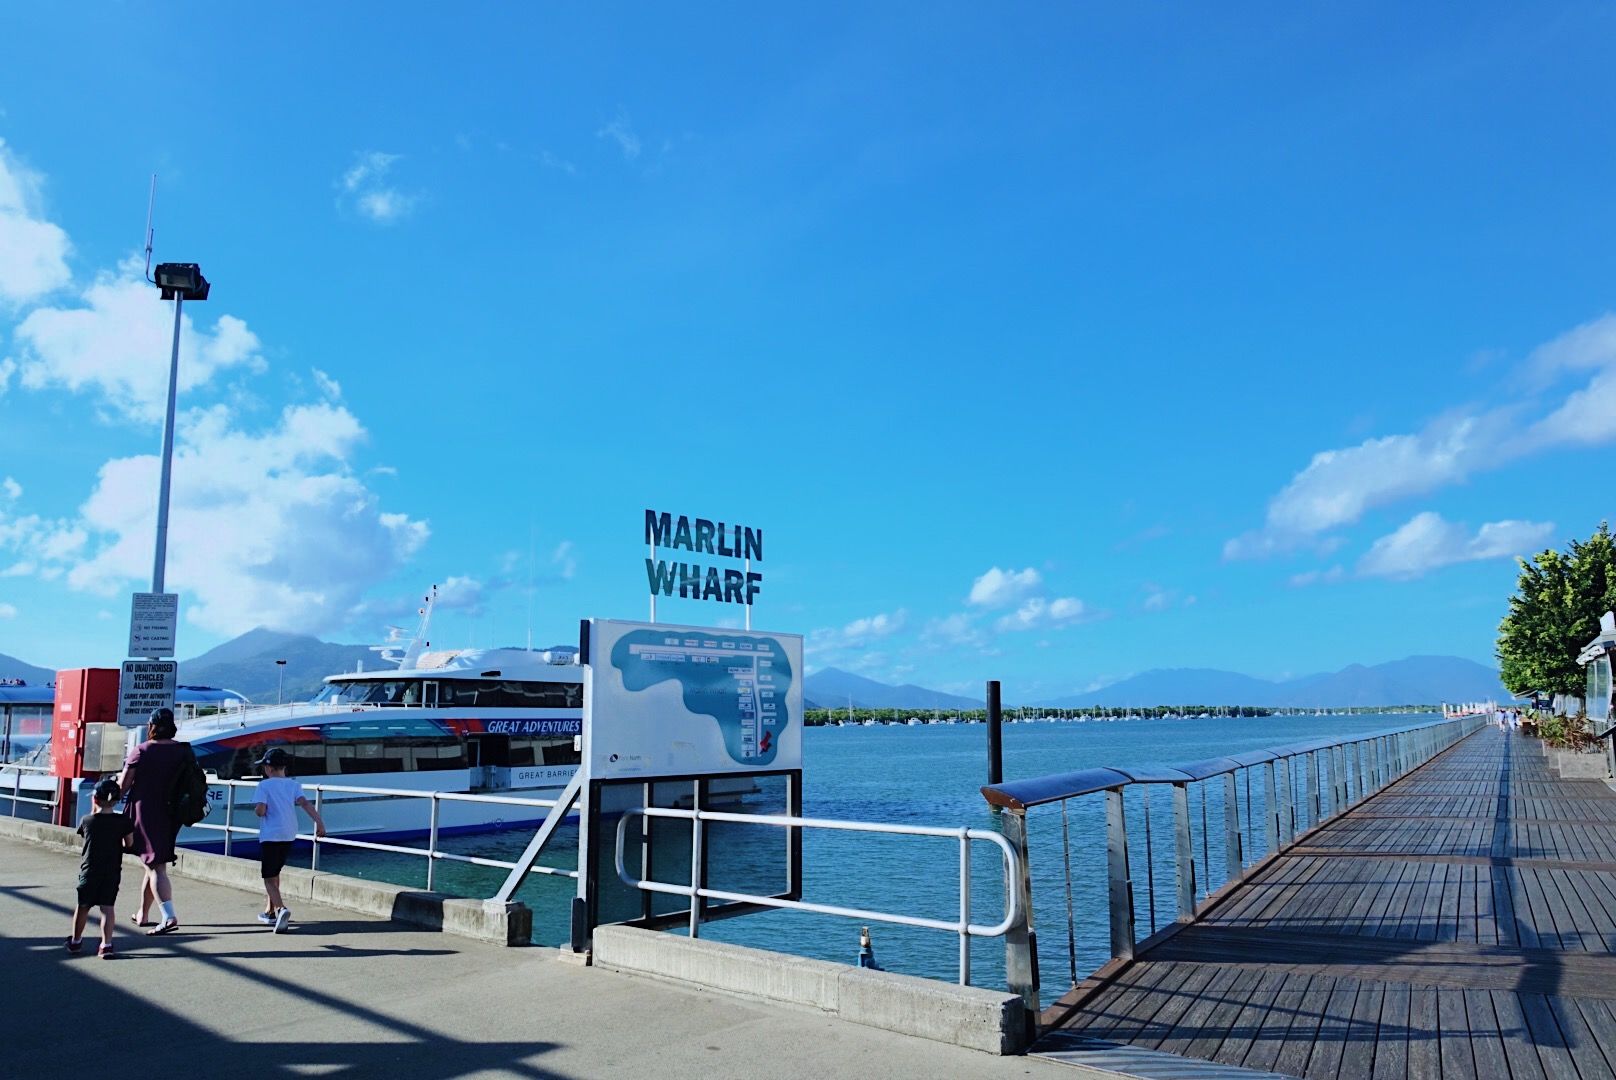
[[995, 743]]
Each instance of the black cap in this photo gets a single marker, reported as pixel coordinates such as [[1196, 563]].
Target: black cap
[[108, 791], [275, 756]]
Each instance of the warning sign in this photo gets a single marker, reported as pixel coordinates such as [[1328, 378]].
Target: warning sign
[[145, 685]]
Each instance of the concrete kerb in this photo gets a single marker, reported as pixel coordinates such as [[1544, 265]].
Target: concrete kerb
[[505, 924], [967, 1016]]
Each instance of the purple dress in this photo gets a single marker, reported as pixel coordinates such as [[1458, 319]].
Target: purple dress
[[157, 765]]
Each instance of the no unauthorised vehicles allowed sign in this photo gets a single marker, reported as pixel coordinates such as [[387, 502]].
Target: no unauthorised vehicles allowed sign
[[145, 685]]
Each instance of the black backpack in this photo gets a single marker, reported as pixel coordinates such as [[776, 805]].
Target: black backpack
[[190, 799]]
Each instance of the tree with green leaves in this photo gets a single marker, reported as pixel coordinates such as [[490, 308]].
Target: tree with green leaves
[[1555, 612]]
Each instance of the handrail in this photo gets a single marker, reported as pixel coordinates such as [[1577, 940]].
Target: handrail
[[961, 926], [18, 768], [1297, 786], [1036, 791], [432, 853]]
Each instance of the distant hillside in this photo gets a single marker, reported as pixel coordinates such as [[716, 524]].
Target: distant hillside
[[1414, 680], [830, 688], [12, 668], [247, 664]]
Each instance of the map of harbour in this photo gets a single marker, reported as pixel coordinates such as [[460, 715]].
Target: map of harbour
[[741, 682]]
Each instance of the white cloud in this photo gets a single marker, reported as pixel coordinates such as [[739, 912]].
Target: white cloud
[[8, 367], [1338, 486], [33, 251], [271, 528], [368, 168], [1001, 588], [365, 184], [565, 562], [1426, 542], [118, 344], [11, 489], [956, 629], [328, 386], [875, 626], [461, 593], [8, 611], [621, 132], [1037, 613], [1317, 577]]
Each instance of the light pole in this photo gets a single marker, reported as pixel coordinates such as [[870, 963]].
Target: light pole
[[178, 282], [280, 675]]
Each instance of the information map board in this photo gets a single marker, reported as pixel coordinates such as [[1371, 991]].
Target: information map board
[[663, 700]]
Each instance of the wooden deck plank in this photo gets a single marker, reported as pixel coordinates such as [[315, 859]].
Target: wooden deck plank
[[1519, 1050], [1485, 1041], [1453, 1039], [1460, 924]]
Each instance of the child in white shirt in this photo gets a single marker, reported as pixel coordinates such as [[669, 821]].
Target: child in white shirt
[[277, 798]]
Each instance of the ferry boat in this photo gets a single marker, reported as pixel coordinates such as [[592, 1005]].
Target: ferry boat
[[480, 721]]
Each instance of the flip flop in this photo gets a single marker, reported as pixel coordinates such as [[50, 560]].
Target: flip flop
[[138, 921], [166, 928]]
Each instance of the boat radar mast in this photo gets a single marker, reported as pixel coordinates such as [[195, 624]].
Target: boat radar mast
[[403, 652]]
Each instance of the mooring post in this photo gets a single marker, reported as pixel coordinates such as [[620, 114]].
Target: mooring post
[[995, 740], [1119, 885], [1021, 940]]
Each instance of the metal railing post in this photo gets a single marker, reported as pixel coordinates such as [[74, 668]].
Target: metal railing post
[[1233, 841], [1287, 802], [696, 838], [432, 842], [1310, 787], [1021, 939], [1270, 803], [1183, 851], [1338, 776], [229, 815], [965, 908], [319, 801], [1119, 883]]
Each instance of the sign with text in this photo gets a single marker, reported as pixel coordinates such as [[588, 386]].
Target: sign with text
[[145, 685], [665, 700], [153, 622], [698, 580]]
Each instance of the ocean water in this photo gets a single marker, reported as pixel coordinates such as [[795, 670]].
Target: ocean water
[[927, 775]]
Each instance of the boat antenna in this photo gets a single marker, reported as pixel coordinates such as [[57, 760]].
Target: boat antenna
[[151, 204]]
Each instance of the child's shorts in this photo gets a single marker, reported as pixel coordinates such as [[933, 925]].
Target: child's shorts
[[98, 891], [272, 857]]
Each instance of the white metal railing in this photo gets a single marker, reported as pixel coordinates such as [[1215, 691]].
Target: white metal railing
[[17, 769], [962, 926], [432, 852]]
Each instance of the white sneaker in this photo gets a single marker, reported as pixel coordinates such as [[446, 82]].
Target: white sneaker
[[266, 919], [282, 917]]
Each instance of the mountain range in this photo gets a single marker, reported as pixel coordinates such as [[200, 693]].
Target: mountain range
[[247, 664], [1421, 680]]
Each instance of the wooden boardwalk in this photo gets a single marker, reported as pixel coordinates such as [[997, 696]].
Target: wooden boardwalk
[[1460, 924]]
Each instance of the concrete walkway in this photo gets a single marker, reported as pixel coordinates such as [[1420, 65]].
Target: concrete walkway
[[342, 994]]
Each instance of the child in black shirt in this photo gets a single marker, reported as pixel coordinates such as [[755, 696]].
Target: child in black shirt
[[106, 836]]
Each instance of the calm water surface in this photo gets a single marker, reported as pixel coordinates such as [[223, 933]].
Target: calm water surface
[[928, 775]]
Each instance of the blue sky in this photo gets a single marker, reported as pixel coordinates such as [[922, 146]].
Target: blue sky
[[1042, 346]]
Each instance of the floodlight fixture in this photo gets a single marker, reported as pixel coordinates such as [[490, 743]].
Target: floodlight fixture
[[181, 281]]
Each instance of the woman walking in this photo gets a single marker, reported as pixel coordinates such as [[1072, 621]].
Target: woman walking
[[148, 782]]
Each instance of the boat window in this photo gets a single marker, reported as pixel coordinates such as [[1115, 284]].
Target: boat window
[[542, 750], [510, 694]]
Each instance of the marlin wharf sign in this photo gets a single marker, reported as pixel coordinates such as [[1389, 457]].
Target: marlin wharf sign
[[697, 580]]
